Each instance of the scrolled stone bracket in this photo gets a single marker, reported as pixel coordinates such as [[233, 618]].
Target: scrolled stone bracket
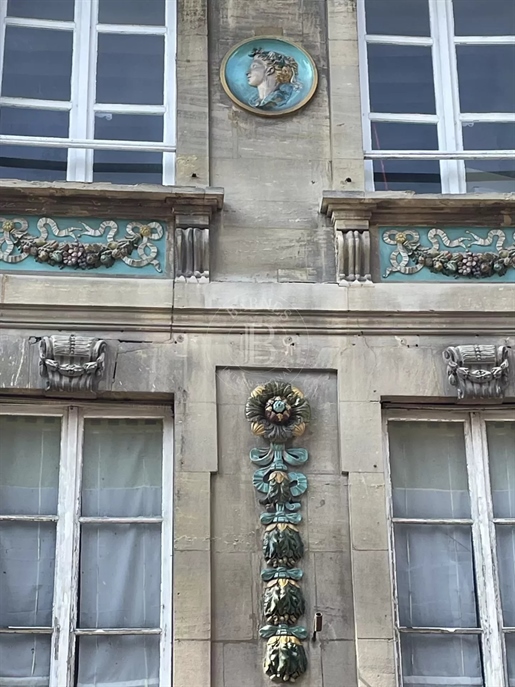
[[478, 371], [192, 248], [71, 363]]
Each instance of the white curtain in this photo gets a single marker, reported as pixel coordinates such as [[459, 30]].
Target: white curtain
[[120, 565], [435, 577]]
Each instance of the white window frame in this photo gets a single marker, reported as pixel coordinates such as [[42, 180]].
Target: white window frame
[[483, 525], [64, 631], [448, 118], [82, 107]]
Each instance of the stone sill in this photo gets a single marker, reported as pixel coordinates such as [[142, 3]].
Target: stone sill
[[388, 208], [141, 201]]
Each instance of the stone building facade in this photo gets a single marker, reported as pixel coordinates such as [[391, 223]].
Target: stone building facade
[[272, 265]]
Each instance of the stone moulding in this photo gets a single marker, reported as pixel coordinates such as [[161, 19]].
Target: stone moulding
[[279, 412], [478, 371], [71, 363]]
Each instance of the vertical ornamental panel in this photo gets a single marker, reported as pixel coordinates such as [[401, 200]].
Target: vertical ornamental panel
[[279, 413]]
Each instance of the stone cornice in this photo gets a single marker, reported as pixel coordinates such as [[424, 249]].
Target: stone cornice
[[99, 199], [407, 208]]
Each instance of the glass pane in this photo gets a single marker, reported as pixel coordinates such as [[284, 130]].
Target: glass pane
[[33, 164], [25, 121], [490, 176], [510, 654], [132, 12], [429, 470], [61, 10], [506, 565], [122, 467], [402, 136], [37, 63], [501, 451], [25, 656], [29, 465], [27, 558], [124, 167], [118, 661], [443, 658], [435, 577], [126, 127], [484, 75], [484, 17], [489, 136], [130, 69], [420, 176], [398, 17], [401, 79], [120, 574]]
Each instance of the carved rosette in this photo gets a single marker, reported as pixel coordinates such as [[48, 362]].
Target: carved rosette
[[279, 412], [478, 371], [71, 363]]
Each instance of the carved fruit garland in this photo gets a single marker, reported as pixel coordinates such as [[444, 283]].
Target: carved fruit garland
[[279, 412]]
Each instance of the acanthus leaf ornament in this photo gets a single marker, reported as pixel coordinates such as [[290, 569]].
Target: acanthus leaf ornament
[[279, 412]]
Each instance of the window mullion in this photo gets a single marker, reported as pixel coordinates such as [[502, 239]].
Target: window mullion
[[169, 92], [365, 95], [67, 552], [165, 665], [485, 564], [3, 14], [446, 94], [80, 161]]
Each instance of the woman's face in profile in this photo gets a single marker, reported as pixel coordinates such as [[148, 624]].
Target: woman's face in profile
[[256, 74]]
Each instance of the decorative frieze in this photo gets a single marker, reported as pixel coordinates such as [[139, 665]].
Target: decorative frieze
[[442, 253], [478, 371], [71, 363], [66, 243], [279, 412]]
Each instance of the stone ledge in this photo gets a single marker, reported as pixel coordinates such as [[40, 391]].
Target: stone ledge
[[389, 208], [98, 199]]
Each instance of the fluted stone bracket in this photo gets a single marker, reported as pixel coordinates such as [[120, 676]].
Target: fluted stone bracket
[[192, 249], [352, 243], [71, 363], [478, 371]]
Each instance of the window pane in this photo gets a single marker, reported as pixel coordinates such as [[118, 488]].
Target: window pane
[[429, 470], [484, 17], [485, 73], [122, 467], [37, 63], [489, 135], [118, 661], [132, 12], [124, 167], [398, 17], [126, 127], [27, 556], [25, 656], [120, 574], [61, 10], [401, 79], [25, 121], [402, 136], [441, 657], [435, 577], [420, 176], [490, 176], [130, 69], [506, 564], [33, 164], [29, 465], [510, 654], [501, 452]]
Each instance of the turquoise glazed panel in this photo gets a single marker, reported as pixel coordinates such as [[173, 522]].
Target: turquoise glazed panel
[[444, 255], [87, 246]]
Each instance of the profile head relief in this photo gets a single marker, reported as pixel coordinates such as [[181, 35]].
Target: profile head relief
[[270, 72]]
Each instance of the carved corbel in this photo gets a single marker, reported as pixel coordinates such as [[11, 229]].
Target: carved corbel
[[71, 363], [352, 237], [478, 371], [192, 233]]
